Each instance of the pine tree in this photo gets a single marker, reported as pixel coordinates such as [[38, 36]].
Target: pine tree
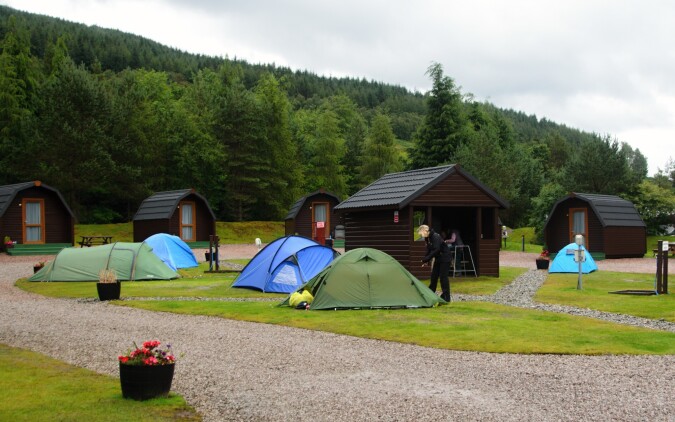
[[445, 125], [380, 156]]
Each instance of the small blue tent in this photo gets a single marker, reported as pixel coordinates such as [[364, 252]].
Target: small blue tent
[[172, 251], [284, 265], [564, 261]]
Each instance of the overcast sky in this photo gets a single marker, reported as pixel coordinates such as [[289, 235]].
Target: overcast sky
[[600, 66]]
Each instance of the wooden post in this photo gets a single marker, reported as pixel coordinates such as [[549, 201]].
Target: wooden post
[[659, 262]]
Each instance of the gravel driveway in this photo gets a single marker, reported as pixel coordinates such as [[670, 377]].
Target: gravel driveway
[[256, 372]]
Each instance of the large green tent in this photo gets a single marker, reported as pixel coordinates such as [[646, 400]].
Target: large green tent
[[131, 261], [367, 278]]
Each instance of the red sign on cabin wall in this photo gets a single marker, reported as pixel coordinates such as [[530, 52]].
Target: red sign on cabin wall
[[395, 216], [319, 224]]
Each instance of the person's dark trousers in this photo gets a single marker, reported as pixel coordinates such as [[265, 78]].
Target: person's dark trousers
[[441, 269]]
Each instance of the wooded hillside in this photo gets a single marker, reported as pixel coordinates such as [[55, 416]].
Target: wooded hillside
[[109, 118]]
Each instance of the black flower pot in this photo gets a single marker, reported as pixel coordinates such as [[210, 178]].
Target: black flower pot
[[141, 382], [542, 264], [109, 291]]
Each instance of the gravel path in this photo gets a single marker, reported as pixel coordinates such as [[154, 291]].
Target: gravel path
[[256, 372]]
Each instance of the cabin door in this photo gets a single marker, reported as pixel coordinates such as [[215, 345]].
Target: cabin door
[[579, 224], [188, 223], [320, 215], [33, 220]]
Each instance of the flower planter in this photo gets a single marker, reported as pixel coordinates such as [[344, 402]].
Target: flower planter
[[109, 291], [143, 382], [542, 264]]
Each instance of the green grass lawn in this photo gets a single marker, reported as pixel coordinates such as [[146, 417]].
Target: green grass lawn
[[562, 289], [37, 388], [476, 326], [229, 232], [196, 283]]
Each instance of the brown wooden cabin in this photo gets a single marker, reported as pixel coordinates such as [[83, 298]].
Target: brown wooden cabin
[[385, 216], [315, 207], [611, 226], [34, 213], [183, 213]]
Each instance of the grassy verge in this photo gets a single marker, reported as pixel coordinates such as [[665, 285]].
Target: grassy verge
[[562, 289], [37, 388], [229, 232], [474, 326], [195, 283]]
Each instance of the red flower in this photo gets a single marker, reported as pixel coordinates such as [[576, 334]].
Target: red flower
[[123, 359]]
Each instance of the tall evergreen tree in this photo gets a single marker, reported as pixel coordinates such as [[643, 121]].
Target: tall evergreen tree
[[444, 127], [19, 75], [380, 156], [283, 174]]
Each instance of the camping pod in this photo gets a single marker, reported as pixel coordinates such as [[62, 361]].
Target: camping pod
[[611, 226], [130, 261], [36, 217], [367, 278], [284, 265], [183, 213], [312, 216]]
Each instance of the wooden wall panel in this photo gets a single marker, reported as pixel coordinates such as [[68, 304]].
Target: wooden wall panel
[[625, 242], [455, 190]]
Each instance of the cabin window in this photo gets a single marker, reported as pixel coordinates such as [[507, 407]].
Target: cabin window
[[34, 220], [188, 224], [419, 218], [579, 224]]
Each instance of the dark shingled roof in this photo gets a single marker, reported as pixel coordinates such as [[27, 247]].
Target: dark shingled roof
[[161, 205], [399, 189], [8, 192], [295, 208], [611, 210]]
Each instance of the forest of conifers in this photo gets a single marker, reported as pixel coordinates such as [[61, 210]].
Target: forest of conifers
[[108, 118]]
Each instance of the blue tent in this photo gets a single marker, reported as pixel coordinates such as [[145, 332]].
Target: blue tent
[[284, 265], [172, 251], [564, 261]]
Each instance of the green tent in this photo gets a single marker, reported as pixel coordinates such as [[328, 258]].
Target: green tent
[[367, 278], [131, 261]]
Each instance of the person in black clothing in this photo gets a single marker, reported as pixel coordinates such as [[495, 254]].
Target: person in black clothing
[[439, 252]]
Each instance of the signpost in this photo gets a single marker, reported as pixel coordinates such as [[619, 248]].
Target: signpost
[[579, 256]]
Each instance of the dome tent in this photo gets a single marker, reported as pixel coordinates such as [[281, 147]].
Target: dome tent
[[172, 251], [131, 261], [367, 278], [564, 261], [284, 265]]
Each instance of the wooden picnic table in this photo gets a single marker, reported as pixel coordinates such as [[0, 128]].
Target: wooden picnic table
[[94, 240]]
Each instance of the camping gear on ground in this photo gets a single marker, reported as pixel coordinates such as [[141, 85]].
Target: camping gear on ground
[[131, 261], [172, 250], [297, 298], [367, 278], [564, 261], [284, 265]]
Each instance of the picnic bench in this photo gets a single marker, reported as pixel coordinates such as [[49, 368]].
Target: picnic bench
[[94, 240]]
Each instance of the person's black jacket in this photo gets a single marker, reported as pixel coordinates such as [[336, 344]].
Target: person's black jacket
[[436, 248]]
